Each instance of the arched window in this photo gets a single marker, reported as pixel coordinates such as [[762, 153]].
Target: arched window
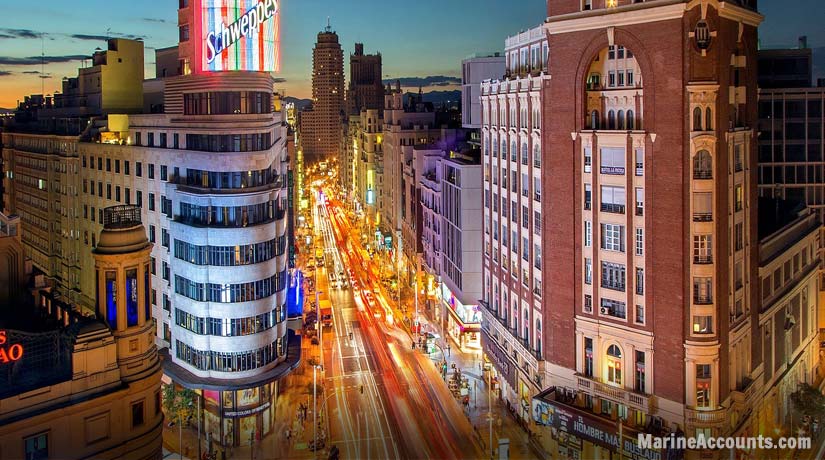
[[514, 151], [526, 325], [611, 120], [620, 120], [697, 119], [494, 143], [538, 336], [631, 121], [708, 119], [614, 365], [504, 149], [524, 153], [594, 119], [536, 154], [702, 165]]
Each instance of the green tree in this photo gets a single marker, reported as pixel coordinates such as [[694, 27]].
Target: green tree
[[178, 402], [808, 401]]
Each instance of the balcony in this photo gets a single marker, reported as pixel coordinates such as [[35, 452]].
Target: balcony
[[700, 174], [702, 259], [706, 418], [702, 299], [702, 216], [612, 208], [620, 395], [612, 285]]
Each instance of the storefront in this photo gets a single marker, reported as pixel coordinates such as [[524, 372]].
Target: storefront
[[463, 321], [567, 431], [502, 368], [236, 417]]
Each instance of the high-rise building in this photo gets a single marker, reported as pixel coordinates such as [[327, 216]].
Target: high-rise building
[[209, 176], [320, 126], [366, 90], [785, 68], [649, 104]]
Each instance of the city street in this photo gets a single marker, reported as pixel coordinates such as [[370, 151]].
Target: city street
[[384, 399]]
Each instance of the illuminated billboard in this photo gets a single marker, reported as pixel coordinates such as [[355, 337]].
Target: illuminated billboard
[[240, 35]]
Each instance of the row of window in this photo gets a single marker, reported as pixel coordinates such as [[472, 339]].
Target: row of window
[[230, 256], [230, 327], [126, 167], [613, 199], [225, 102], [229, 142], [231, 293], [230, 362], [231, 216], [231, 180]]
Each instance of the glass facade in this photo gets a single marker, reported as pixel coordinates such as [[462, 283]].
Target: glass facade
[[230, 180], [131, 297], [230, 362], [230, 327], [230, 216], [226, 102], [229, 142]]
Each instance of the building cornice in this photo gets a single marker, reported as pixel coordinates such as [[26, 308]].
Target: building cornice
[[602, 19]]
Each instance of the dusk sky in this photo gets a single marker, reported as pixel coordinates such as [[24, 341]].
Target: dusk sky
[[416, 39]]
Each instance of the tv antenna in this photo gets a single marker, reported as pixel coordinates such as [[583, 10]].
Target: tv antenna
[[329, 28]]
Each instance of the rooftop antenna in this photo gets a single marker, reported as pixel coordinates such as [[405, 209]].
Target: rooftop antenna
[[42, 63], [108, 31], [329, 28]]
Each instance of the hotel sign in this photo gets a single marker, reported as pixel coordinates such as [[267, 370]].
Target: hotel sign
[[9, 353]]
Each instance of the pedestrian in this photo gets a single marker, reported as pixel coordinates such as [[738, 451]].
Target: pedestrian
[[448, 350]]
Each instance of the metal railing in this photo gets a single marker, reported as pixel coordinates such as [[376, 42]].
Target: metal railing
[[613, 207]]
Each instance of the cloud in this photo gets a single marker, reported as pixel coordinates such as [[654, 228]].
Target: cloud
[[37, 60], [279, 80], [160, 21], [433, 80], [19, 33], [106, 37], [5, 73]]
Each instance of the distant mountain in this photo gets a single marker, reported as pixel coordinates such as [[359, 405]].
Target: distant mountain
[[300, 104], [441, 97], [6, 111]]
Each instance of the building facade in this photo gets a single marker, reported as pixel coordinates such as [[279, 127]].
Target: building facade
[[514, 312], [475, 70], [320, 126]]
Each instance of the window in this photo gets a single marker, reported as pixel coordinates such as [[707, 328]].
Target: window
[[640, 314], [163, 172], [588, 159], [151, 201], [611, 78], [702, 290], [117, 193], [176, 141], [612, 237], [137, 414], [614, 365], [126, 167], [163, 140], [613, 308], [108, 165], [588, 303], [702, 324], [612, 160], [640, 281], [613, 199], [138, 169], [37, 447], [537, 222], [611, 120], [702, 250], [702, 207], [703, 378], [151, 171], [117, 166], [629, 82], [137, 138], [697, 119], [108, 191], [588, 271], [738, 197], [739, 236], [152, 233], [640, 201], [588, 357], [183, 33], [588, 233], [640, 242], [639, 384], [151, 139], [631, 120], [702, 165], [588, 197], [708, 119], [537, 189], [139, 198], [588, 4], [613, 276], [640, 159]]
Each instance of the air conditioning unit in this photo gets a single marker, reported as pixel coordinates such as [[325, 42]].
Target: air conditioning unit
[[604, 310]]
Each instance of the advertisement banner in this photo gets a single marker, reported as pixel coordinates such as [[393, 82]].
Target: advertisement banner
[[239, 35]]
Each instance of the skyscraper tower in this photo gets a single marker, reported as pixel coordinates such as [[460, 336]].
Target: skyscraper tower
[[365, 89], [321, 126]]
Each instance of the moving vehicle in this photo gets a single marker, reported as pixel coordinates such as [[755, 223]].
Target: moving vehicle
[[325, 309]]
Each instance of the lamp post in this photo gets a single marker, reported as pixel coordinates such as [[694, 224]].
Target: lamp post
[[199, 427], [315, 412]]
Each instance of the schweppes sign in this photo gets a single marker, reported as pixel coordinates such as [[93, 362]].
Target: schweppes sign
[[244, 42]]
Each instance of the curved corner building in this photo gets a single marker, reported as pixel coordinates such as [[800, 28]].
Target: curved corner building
[[220, 151]]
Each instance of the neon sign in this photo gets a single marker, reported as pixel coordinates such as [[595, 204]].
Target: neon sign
[[239, 35], [11, 353]]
